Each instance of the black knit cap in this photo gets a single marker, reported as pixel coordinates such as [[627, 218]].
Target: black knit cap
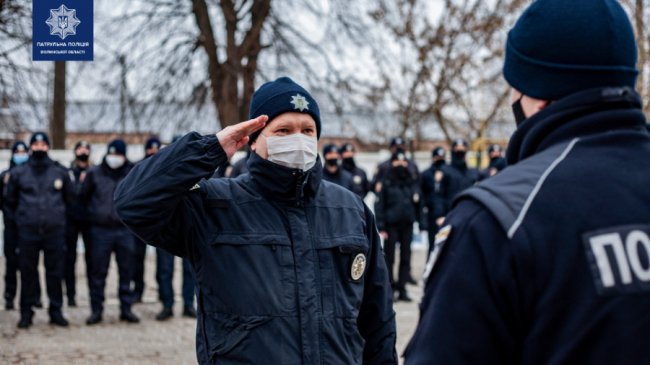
[[152, 142], [560, 47], [438, 152], [329, 148], [281, 96], [117, 146], [39, 136], [19, 146]]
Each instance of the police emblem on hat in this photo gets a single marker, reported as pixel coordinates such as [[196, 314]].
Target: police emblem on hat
[[58, 184], [358, 266], [39, 137], [356, 179], [299, 102], [111, 150], [21, 148]]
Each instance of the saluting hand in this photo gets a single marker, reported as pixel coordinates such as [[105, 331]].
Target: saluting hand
[[235, 136]]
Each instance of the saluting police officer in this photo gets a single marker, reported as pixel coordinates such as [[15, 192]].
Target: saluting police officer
[[77, 221], [18, 157], [37, 194], [548, 262], [108, 234], [361, 185], [289, 267]]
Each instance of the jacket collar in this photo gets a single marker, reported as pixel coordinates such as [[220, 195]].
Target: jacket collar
[[585, 113], [281, 183]]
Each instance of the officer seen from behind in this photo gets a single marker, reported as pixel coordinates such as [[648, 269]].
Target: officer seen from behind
[[37, 194], [548, 262]]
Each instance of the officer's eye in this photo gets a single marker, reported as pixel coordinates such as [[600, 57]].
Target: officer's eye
[[308, 131]]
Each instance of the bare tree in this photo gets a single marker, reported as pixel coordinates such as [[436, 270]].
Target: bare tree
[[448, 68]]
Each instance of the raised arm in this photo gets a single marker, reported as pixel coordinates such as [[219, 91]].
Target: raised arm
[[155, 199]]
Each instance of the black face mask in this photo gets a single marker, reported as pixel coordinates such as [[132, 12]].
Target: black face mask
[[401, 172], [349, 163], [518, 111], [332, 162], [82, 157], [39, 155], [458, 156]]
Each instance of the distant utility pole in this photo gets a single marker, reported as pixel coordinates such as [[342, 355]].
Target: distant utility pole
[[57, 124]]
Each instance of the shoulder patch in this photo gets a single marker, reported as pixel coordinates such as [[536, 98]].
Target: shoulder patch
[[7, 178], [439, 244], [619, 259]]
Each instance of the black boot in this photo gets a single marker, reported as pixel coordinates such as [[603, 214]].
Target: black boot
[[165, 314], [189, 312], [129, 317], [9, 305], [57, 319], [25, 322], [95, 317]]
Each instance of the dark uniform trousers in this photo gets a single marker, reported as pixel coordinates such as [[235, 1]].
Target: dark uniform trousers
[[402, 233], [29, 248], [165, 275], [105, 241], [11, 260], [72, 234], [138, 273]]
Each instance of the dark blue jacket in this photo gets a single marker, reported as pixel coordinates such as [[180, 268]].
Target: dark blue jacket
[[273, 252], [456, 178], [434, 193], [548, 262], [37, 194], [398, 202], [97, 192], [361, 186], [340, 178], [77, 210]]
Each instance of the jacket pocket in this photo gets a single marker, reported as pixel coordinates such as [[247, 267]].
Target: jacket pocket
[[343, 263], [226, 333], [249, 274]]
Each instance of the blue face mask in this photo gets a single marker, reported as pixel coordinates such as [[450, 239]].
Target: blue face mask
[[20, 159]]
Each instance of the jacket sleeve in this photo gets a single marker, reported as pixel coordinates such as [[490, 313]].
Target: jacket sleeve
[[157, 199], [377, 318], [471, 311]]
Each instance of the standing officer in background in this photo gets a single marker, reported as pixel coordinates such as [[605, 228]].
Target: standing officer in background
[[332, 172], [433, 194], [165, 278], [397, 207], [289, 267], [108, 234], [457, 176], [548, 262], [361, 185], [497, 162], [397, 145], [37, 194], [18, 157], [77, 221], [151, 147]]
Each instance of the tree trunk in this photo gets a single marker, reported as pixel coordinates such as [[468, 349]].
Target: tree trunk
[[57, 124]]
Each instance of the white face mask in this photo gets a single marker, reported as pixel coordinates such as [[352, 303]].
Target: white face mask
[[115, 161], [296, 151]]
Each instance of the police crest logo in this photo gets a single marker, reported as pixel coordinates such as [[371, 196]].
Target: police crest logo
[[357, 179], [58, 184], [358, 266], [439, 243], [63, 22], [299, 102]]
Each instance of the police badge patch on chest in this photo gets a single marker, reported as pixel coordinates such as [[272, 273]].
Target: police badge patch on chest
[[58, 184], [358, 266]]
